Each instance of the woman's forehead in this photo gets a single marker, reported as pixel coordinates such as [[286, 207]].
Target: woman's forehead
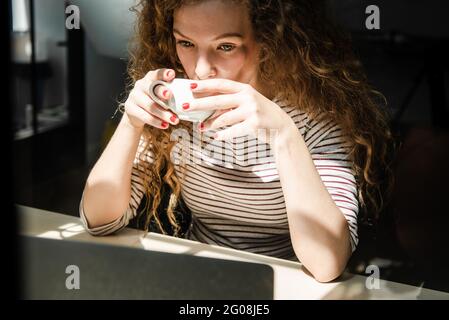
[[211, 18]]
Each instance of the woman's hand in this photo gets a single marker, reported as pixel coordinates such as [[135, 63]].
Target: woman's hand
[[140, 109], [240, 106]]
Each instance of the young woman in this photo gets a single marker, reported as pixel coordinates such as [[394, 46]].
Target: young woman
[[262, 66]]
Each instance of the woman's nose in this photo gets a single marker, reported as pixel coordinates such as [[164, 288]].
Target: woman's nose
[[204, 69]]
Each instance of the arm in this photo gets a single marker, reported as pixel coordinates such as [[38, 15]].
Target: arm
[[108, 188], [107, 194], [319, 231]]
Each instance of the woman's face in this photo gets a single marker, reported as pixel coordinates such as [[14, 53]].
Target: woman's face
[[214, 39]]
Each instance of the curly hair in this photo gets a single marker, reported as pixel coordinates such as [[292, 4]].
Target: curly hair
[[306, 60]]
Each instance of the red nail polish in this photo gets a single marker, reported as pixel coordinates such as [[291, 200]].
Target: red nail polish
[[173, 118], [201, 126], [164, 124], [193, 85], [185, 106]]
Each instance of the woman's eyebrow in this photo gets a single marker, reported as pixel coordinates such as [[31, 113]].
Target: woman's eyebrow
[[224, 35]]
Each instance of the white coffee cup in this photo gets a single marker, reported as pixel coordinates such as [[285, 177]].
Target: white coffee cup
[[180, 94]]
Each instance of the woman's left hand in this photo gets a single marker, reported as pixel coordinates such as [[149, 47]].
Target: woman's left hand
[[242, 107]]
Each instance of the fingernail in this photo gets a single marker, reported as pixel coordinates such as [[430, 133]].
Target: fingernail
[[173, 118], [193, 85], [201, 126], [169, 73], [164, 124], [185, 106], [164, 93]]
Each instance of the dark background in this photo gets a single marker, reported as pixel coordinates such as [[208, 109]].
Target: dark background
[[406, 60]]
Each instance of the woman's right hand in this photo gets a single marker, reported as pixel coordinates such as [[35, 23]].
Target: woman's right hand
[[140, 109]]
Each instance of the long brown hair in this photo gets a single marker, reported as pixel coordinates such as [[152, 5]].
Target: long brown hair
[[300, 49]]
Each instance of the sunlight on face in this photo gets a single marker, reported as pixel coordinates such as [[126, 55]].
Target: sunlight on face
[[214, 40]]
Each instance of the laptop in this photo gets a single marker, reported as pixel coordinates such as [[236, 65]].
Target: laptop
[[67, 269]]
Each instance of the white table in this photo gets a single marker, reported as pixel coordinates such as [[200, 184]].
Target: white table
[[290, 280]]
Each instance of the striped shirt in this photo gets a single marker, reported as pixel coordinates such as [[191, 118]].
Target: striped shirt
[[234, 192]]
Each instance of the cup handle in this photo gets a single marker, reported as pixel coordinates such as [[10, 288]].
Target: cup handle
[[153, 94]]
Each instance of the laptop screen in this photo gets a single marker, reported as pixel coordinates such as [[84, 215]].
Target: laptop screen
[[66, 269]]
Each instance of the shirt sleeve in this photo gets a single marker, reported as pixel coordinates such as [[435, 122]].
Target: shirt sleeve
[[137, 192], [330, 153]]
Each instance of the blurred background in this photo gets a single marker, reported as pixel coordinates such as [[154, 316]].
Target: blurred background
[[65, 84]]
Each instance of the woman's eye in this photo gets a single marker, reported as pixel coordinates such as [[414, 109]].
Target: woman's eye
[[184, 43], [227, 47]]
